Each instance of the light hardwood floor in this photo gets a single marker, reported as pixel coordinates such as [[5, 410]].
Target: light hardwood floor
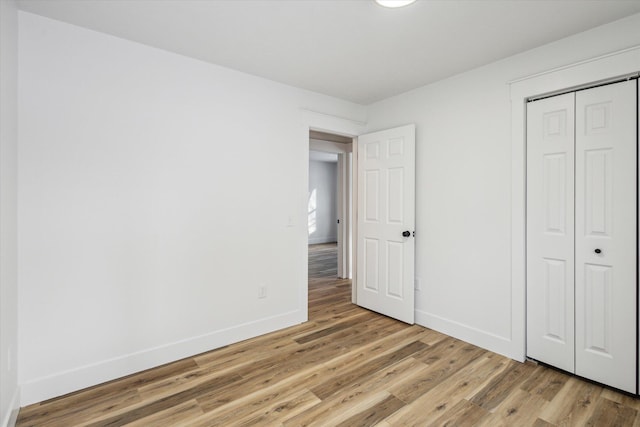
[[323, 261], [345, 367]]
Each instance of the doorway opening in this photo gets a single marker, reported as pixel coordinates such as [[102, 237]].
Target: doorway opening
[[379, 229], [329, 206]]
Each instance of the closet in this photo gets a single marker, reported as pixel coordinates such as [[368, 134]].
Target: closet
[[582, 233]]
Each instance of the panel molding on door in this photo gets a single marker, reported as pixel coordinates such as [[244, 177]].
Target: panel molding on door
[[606, 234], [550, 231], [386, 208]]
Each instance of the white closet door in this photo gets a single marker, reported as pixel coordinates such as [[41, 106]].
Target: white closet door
[[550, 231], [606, 234]]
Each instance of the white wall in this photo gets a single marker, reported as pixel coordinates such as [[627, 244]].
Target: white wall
[[9, 392], [322, 202], [150, 208], [463, 166]]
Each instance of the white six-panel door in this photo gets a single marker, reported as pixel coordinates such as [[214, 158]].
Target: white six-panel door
[[606, 234], [386, 209], [550, 231], [581, 233]]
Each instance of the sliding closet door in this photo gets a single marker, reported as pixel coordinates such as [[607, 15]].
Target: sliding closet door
[[550, 231], [605, 258]]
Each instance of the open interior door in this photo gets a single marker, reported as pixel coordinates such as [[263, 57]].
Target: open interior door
[[386, 222]]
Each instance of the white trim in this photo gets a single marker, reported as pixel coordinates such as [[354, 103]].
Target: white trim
[[329, 146], [354, 221], [341, 216], [75, 379], [576, 64], [590, 85], [593, 70], [467, 333], [11, 416]]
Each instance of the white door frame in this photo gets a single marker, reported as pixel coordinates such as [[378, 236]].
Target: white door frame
[[585, 73], [313, 120]]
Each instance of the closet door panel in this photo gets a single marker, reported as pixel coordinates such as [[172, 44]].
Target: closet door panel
[[550, 231], [605, 240]]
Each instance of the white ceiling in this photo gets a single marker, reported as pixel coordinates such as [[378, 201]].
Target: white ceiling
[[351, 49]]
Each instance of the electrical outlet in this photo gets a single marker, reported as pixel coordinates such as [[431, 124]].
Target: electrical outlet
[[416, 284], [262, 291]]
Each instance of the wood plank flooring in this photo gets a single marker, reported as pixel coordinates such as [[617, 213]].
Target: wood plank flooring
[[323, 260], [345, 367]]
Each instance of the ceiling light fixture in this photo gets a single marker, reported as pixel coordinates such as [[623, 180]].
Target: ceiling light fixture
[[394, 3]]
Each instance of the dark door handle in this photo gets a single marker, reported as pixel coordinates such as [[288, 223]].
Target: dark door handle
[[406, 233], [597, 251]]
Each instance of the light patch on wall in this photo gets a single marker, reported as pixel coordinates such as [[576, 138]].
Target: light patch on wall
[[312, 212]]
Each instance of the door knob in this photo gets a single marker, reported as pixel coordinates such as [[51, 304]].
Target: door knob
[[598, 251], [406, 233]]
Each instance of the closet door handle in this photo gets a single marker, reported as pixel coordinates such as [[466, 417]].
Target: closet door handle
[[598, 251]]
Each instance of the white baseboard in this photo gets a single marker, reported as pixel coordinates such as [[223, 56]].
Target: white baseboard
[[317, 240], [62, 383], [11, 416], [480, 338]]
